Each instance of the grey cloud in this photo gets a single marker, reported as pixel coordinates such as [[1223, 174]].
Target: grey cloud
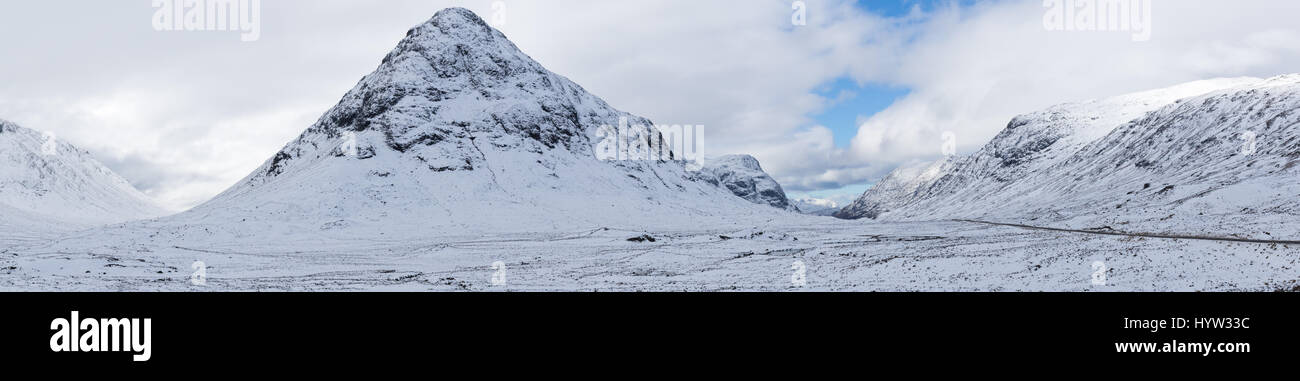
[[186, 114]]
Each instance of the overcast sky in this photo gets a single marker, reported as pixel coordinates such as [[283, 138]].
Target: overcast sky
[[828, 107]]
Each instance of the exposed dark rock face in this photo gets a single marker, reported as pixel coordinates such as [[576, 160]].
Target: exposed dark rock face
[[458, 130], [451, 80], [744, 177]]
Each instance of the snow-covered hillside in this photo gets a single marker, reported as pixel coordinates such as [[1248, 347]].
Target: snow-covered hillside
[[816, 206], [1029, 144], [47, 184], [744, 177], [456, 131], [896, 189], [1174, 163]]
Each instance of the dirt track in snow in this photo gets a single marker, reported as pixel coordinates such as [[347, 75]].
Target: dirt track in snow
[[1133, 234]]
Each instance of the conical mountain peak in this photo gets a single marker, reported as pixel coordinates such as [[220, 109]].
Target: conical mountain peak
[[450, 79], [457, 129], [454, 27], [455, 22]]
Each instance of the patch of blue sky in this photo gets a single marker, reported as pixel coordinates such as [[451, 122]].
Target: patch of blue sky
[[851, 104]]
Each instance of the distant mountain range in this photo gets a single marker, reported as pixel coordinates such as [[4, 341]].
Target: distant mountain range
[[48, 184], [1171, 160]]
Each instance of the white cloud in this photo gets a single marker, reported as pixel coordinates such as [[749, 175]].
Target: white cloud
[[973, 69], [186, 114]]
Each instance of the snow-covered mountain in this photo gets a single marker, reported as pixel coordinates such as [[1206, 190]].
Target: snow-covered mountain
[[895, 190], [459, 132], [48, 184], [816, 206], [1160, 160], [1030, 143], [744, 177]]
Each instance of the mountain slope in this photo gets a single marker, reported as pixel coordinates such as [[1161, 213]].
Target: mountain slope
[[1164, 170], [1029, 144], [816, 207], [896, 189], [1186, 165], [47, 184], [744, 177], [458, 132]]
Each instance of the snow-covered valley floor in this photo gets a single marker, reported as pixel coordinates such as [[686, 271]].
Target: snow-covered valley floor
[[834, 255]]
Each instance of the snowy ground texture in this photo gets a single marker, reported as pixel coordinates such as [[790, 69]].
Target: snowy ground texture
[[835, 255]]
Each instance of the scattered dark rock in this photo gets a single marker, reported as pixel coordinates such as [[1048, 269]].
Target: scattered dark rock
[[277, 163], [642, 238]]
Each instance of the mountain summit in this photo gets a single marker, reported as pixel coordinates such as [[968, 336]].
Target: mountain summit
[[459, 129], [449, 80]]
